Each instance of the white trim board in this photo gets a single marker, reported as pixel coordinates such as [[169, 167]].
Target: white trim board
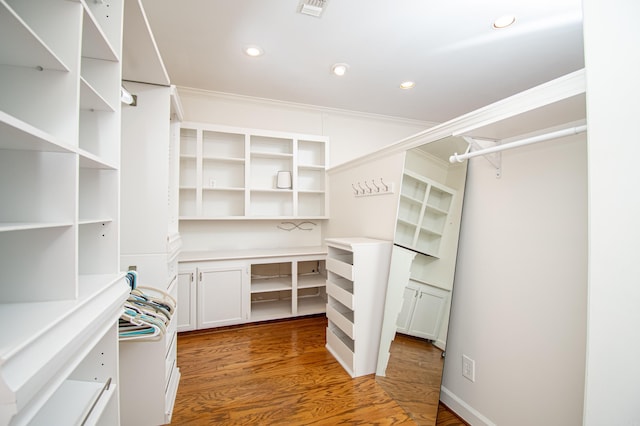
[[462, 409]]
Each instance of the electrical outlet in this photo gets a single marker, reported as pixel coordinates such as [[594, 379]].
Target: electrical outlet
[[468, 368]]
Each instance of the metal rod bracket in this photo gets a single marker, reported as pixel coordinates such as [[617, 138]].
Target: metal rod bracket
[[495, 159]]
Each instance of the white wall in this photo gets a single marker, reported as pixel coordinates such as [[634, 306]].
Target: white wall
[[223, 235], [374, 216], [519, 299], [612, 67], [352, 134]]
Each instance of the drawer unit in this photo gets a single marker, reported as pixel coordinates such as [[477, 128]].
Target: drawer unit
[[357, 273]]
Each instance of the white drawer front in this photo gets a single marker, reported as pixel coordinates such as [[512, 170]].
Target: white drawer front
[[170, 394], [340, 268], [339, 320], [172, 270], [170, 359], [340, 294], [340, 351]]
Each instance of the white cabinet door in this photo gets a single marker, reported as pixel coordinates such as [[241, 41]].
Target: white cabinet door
[[221, 296], [422, 310], [408, 305], [187, 300], [427, 315]]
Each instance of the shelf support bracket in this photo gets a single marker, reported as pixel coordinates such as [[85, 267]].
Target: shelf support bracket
[[495, 159]]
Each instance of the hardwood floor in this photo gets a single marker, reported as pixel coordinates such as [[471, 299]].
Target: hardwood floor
[[413, 377], [274, 374]]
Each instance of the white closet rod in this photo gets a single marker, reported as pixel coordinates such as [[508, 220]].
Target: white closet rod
[[534, 139]]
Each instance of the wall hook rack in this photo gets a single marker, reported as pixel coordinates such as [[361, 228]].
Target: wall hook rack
[[371, 187]]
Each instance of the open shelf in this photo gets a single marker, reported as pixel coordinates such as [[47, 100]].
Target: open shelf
[[264, 285], [85, 396], [312, 280], [312, 304], [270, 309], [20, 135], [221, 162], [26, 49]]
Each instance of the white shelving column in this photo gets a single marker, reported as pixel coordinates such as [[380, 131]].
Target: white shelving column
[[61, 291]]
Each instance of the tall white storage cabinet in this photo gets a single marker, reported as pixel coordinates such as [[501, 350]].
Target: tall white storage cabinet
[[61, 291], [150, 240], [150, 244], [357, 273]]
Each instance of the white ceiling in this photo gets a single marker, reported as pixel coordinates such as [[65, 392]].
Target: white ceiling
[[448, 47]]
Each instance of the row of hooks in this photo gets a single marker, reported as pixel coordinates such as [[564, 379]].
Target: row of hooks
[[367, 188]]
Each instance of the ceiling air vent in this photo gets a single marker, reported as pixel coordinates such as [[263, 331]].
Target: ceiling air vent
[[312, 7]]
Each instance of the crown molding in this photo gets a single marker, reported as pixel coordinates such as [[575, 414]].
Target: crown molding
[[306, 107]]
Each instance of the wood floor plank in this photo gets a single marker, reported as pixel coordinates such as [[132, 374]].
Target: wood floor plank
[[276, 373]]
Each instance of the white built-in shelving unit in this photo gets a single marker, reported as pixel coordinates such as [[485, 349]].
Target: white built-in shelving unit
[[230, 173], [287, 288], [61, 289], [423, 213], [235, 287], [357, 273]]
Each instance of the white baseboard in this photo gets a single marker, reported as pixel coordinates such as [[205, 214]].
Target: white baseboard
[[462, 409], [440, 344]]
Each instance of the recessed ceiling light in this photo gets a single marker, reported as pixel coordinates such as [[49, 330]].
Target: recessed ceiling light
[[407, 85], [253, 50], [504, 21], [339, 69]]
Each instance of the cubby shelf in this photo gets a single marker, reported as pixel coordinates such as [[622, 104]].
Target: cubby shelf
[[27, 48], [288, 288], [229, 173], [423, 213]]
